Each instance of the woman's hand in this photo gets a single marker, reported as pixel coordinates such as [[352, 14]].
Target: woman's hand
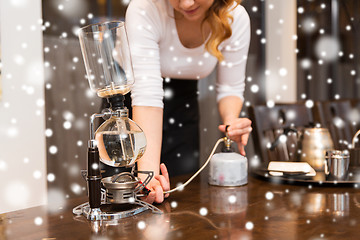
[[158, 185], [239, 130]]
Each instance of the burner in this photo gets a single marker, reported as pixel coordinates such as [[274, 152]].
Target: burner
[[121, 188], [119, 198]]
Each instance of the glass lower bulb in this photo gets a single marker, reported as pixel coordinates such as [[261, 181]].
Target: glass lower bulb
[[121, 142]]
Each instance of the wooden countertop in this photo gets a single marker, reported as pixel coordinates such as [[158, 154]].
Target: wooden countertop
[[258, 210]]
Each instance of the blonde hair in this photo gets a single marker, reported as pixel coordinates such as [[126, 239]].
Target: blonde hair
[[218, 17]]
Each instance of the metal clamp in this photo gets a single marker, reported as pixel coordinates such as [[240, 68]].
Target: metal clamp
[[227, 140]]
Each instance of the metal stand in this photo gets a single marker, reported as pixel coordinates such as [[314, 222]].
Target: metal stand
[[118, 202], [99, 214]]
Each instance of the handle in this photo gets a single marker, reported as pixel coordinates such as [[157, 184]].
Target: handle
[[326, 169], [286, 131], [354, 138]]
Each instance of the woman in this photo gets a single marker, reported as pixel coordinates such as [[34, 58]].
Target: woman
[[175, 42]]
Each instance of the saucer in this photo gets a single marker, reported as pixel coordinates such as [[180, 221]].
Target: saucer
[[278, 168]]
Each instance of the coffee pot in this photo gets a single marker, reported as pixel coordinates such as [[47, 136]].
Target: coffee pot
[[314, 142]]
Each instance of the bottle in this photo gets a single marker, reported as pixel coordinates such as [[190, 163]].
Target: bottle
[[228, 168]]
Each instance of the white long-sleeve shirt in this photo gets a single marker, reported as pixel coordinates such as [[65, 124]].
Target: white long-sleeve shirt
[[157, 52]]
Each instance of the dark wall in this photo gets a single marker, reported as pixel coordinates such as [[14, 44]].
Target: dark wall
[[336, 32]]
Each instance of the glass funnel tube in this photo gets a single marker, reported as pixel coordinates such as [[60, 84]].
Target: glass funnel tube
[[107, 58]]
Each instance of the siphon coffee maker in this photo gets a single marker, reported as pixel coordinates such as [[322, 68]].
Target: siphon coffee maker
[[118, 142]]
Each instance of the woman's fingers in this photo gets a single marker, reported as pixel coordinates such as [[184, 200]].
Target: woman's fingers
[[239, 131], [244, 125], [156, 192], [151, 197], [158, 185], [159, 194], [241, 149], [222, 128], [164, 172], [239, 124], [245, 138], [165, 184], [164, 179]]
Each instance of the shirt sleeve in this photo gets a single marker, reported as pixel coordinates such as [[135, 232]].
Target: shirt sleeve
[[143, 25], [231, 71]]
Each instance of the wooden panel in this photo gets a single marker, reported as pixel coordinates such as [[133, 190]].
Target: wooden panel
[[67, 101], [337, 117]]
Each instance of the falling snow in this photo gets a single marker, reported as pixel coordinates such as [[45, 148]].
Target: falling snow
[[37, 174], [254, 88], [48, 132], [51, 177], [269, 195], [232, 199], [56, 200], [66, 117], [141, 225], [327, 48], [38, 221], [180, 185], [309, 103], [249, 226], [174, 204], [203, 211], [53, 149]]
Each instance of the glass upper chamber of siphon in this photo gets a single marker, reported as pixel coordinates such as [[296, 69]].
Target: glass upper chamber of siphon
[[107, 58], [106, 53]]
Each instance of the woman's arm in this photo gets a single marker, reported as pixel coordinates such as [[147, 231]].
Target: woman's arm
[[229, 108], [231, 79], [150, 119], [144, 27]]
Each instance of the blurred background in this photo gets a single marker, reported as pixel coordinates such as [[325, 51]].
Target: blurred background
[[304, 50]]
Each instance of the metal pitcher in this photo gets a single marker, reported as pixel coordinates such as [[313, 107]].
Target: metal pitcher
[[314, 143]]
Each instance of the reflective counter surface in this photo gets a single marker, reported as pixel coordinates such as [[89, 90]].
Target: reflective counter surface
[[258, 210]]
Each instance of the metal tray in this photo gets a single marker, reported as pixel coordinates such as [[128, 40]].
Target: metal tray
[[352, 180]]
